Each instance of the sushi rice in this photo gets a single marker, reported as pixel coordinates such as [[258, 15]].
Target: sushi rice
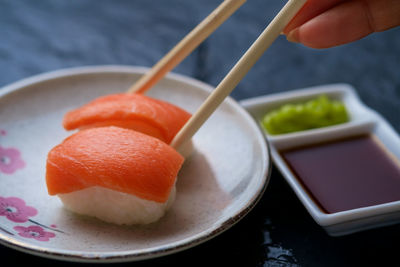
[[116, 207]]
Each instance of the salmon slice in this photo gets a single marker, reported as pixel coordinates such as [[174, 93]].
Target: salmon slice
[[119, 159], [133, 111]]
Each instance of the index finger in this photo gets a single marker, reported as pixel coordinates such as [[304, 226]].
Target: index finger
[[310, 10]]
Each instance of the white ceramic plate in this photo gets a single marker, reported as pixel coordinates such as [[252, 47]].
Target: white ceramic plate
[[363, 120], [217, 185]]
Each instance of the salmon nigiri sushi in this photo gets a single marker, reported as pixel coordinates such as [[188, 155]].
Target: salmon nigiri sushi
[[151, 116], [118, 175]]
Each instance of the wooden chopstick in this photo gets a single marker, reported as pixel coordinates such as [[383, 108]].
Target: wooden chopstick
[[186, 45], [237, 73]]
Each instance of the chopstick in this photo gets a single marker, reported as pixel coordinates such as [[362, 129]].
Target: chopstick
[[186, 45], [237, 73]]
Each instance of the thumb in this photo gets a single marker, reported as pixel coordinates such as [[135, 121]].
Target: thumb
[[346, 22]]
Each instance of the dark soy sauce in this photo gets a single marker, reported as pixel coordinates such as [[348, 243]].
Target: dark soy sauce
[[347, 174]]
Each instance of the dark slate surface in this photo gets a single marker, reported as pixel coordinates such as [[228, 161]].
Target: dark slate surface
[[40, 36]]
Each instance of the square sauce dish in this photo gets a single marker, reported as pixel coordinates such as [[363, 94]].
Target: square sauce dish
[[346, 175]]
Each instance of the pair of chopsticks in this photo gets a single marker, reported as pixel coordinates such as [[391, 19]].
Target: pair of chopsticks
[[235, 75]]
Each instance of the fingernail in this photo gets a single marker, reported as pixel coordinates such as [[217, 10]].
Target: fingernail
[[293, 36]]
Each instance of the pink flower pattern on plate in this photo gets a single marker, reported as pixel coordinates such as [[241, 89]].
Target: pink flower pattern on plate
[[10, 160], [35, 232], [15, 209]]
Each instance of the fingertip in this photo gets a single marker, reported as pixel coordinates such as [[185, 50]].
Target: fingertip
[[293, 36], [342, 24], [310, 9]]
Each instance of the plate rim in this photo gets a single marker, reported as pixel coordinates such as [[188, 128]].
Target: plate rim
[[160, 250]]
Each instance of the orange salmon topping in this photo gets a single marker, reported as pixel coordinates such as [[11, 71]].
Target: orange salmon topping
[[133, 111], [119, 159]]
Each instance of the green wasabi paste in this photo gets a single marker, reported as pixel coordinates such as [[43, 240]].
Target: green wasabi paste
[[315, 113]]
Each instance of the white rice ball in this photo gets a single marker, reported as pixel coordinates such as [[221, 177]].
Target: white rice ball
[[115, 207]]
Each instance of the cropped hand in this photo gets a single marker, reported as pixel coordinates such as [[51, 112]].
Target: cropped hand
[[327, 23]]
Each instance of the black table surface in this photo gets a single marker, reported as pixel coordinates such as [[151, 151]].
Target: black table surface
[[46, 35]]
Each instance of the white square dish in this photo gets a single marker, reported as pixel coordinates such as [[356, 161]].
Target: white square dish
[[363, 120]]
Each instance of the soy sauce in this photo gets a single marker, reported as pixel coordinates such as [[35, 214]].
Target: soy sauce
[[347, 174]]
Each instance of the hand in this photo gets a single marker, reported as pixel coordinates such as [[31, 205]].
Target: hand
[[327, 23]]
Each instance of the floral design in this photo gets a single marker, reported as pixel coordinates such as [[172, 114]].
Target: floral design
[[15, 209], [35, 232], [10, 160]]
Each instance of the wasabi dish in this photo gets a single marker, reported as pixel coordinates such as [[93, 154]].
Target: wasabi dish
[[315, 113]]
